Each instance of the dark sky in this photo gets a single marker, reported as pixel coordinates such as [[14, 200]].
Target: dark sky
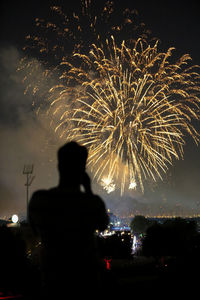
[[174, 23], [23, 137]]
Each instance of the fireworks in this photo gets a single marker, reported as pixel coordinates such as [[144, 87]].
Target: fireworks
[[128, 103], [131, 109]]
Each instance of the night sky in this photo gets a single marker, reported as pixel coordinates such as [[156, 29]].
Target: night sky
[[27, 139]]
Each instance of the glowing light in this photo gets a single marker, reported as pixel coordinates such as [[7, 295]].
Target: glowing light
[[134, 245], [107, 263], [15, 218]]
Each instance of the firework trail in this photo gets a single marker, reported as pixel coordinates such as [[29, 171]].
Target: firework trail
[[128, 103]]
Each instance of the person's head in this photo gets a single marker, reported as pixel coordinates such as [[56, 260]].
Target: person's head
[[72, 159]]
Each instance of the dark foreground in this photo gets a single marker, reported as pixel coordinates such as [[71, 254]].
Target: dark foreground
[[133, 277]]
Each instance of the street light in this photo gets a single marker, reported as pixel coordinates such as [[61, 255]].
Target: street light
[[15, 218]]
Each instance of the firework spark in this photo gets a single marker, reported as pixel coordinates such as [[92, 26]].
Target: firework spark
[[107, 184]]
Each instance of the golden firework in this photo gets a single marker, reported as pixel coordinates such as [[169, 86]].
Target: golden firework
[[129, 103], [131, 107]]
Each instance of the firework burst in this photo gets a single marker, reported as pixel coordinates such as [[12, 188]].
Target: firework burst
[[126, 101], [131, 108]]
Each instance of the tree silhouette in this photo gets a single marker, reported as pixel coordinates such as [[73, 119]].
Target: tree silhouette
[[172, 238], [139, 224]]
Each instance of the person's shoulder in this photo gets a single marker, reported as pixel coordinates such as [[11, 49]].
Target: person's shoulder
[[43, 192], [36, 198], [39, 193], [43, 195], [39, 196]]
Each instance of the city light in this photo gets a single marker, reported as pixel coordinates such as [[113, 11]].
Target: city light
[[134, 246]]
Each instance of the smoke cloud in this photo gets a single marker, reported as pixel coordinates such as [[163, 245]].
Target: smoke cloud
[[25, 139]]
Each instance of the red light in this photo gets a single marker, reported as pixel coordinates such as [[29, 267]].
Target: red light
[[107, 263]]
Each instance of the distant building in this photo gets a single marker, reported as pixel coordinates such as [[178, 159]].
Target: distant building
[[116, 224]]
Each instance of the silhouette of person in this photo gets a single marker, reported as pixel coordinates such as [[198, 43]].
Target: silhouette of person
[[66, 218]]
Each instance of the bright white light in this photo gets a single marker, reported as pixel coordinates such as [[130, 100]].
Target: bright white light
[[15, 218], [134, 245], [132, 184], [107, 184]]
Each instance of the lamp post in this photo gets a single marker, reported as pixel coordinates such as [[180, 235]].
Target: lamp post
[[28, 170]]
